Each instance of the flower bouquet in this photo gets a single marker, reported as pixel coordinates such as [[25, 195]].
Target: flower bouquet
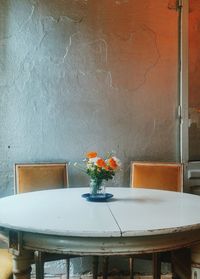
[[100, 170]]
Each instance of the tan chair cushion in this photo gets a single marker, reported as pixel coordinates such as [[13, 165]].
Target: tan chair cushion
[[5, 264], [34, 177], [165, 176]]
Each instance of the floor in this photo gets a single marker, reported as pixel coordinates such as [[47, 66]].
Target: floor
[[167, 276]]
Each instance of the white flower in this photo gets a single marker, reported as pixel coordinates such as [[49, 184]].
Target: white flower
[[93, 160], [90, 165]]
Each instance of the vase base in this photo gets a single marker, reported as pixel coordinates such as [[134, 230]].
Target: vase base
[[98, 197]]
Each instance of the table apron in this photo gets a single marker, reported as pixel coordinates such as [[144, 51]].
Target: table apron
[[109, 245]]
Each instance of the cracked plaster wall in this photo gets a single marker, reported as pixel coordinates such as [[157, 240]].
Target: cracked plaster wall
[[79, 75]]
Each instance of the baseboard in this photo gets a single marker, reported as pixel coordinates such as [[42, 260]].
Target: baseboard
[[166, 276]]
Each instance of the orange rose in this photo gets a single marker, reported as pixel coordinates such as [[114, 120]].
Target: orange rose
[[112, 163], [106, 167], [100, 163], [91, 154]]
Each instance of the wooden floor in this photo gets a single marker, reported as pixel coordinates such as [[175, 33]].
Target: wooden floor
[[168, 276]]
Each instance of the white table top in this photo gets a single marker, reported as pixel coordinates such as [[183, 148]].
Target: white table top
[[131, 212]]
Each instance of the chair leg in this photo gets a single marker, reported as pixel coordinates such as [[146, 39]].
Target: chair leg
[[39, 266], [95, 267], [131, 263], [156, 266], [181, 263], [67, 268], [105, 267]]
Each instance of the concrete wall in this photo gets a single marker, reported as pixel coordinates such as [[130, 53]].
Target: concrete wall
[[79, 75]]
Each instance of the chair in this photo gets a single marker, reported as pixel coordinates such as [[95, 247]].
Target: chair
[[5, 264], [163, 176], [156, 175], [35, 177], [152, 175], [5, 260]]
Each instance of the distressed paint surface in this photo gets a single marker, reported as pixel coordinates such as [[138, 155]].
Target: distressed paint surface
[[86, 75], [98, 220], [122, 235]]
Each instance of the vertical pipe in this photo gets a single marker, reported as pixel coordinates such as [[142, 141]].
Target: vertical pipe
[[183, 80], [183, 88]]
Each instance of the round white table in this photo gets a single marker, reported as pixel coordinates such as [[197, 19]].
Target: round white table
[[134, 221]]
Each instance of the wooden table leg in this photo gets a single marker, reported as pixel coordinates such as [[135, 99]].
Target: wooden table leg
[[39, 265], [95, 267], [131, 267], [156, 266], [22, 265], [105, 267], [181, 263]]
